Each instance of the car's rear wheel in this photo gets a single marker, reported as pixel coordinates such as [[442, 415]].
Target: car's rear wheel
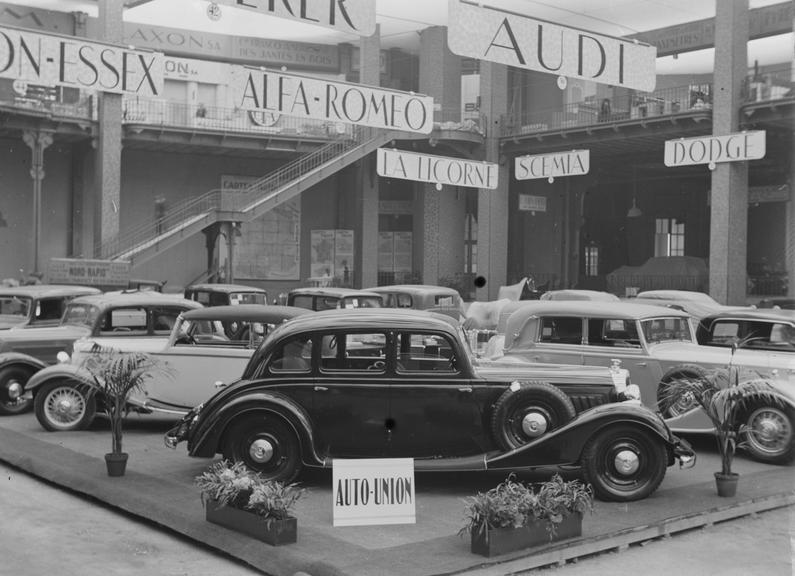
[[685, 403], [769, 434], [624, 463], [536, 408], [14, 378], [63, 405], [266, 444]]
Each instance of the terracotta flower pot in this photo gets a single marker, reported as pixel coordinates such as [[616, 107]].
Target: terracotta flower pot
[[274, 532], [726, 483], [116, 463], [503, 540]]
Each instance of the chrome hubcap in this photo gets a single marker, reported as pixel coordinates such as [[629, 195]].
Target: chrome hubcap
[[626, 462], [769, 430], [534, 424], [14, 390], [64, 406], [261, 451]]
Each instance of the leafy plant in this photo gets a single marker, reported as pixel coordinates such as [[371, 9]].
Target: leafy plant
[[725, 399], [512, 504], [236, 486], [116, 375]]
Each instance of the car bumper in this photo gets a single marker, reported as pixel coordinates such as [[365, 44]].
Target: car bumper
[[684, 453], [180, 432]]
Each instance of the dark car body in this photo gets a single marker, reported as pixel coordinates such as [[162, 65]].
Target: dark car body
[[225, 294], [113, 317], [38, 305], [402, 383], [329, 298]]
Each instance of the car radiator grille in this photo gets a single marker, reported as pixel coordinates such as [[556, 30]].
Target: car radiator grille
[[585, 401]]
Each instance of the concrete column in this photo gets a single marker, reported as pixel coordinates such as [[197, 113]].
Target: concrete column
[[493, 204], [789, 248], [370, 74], [38, 142], [729, 206], [107, 181]]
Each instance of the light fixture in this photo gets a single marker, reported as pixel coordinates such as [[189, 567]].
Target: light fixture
[[634, 212]]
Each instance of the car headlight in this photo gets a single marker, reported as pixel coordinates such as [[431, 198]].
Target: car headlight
[[631, 392], [62, 357]]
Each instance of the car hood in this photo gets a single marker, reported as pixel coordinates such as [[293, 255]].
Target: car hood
[[131, 344], [57, 333], [511, 368]]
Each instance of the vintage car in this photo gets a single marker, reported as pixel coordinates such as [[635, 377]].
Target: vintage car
[[579, 294], [657, 345], [421, 297], [38, 305], [118, 318], [199, 357], [329, 298], [697, 304], [225, 294], [402, 383]]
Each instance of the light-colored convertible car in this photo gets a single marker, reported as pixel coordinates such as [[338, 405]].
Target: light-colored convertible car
[[199, 356], [656, 345]]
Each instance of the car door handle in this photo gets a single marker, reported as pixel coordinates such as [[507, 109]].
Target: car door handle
[[641, 364], [467, 389], [321, 389]]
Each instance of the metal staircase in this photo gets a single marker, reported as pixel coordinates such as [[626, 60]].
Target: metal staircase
[[146, 241]]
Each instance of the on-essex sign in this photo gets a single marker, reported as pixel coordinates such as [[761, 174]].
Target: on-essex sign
[[372, 491], [736, 147], [354, 16], [436, 169], [572, 163], [488, 33], [53, 60], [307, 97]]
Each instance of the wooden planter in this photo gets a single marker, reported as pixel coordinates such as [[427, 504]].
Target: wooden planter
[[503, 540], [275, 532]]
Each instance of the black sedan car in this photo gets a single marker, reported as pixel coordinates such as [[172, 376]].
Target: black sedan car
[[382, 383]]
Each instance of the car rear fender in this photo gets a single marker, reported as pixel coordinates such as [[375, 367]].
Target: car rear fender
[[19, 359], [64, 371], [566, 444], [205, 440]]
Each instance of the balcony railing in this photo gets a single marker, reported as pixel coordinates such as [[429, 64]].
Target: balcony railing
[[772, 85]]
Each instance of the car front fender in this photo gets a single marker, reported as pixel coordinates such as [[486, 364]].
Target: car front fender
[[565, 445], [20, 359], [64, 371], [204, 438]]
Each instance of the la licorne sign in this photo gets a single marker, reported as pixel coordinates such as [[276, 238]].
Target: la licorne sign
[[392, 163]]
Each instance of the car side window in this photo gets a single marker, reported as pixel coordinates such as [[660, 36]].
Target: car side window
[[302, 301], [355, 351], [614, 332], [425, 352], [130, 321], [724, 334], [561, 330], [163, 320], [327, 303], [782, 337], [49, 310], [292, 355]]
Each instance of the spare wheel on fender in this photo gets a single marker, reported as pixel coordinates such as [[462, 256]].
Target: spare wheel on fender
[[528, 410]]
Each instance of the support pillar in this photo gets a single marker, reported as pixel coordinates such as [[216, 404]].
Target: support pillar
[[38, 142], [211, 234], [370, 74], [107, 179], [493, 204], [729, 206]]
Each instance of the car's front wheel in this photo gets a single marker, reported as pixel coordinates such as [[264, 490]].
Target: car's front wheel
[[624, 463], [61, 406], [14, 377], [266, 444], [769, 434]]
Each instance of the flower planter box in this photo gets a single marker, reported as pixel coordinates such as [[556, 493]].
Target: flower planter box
[[275, 532], [503, 540]]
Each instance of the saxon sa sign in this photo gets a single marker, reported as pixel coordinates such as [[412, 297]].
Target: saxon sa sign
[[307, 97], [353, 16], [436, 169], [52, 60], [572, 163], [488, 33], [715, 149], [373, 491]]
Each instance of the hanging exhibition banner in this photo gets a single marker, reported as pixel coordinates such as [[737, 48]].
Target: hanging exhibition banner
[[372, 491], [52, 60], [88, 272], [394, 163], [572, 163], [488, 33], [334, 101], [355, 16], [714, 149]]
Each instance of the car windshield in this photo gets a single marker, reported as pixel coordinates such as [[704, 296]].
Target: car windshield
[[656, 330], [14, 309], [80, 314]]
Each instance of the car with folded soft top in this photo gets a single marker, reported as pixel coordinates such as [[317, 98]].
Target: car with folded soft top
[[37, 305], [377, 383], [198, 357], [116, 318], [659, 345]]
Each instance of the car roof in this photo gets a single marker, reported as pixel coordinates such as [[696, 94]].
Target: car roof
[[333, 291], [415, 289], [136, 298], [578, 294], [686, 295], [591, 308], [226, 288], [370, 318], [265, 313], [754, 314], [48, 290]]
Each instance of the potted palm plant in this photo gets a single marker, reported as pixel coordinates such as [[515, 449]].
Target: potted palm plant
[[235, 497], [726, 400], [116, 375], [513, 515]]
